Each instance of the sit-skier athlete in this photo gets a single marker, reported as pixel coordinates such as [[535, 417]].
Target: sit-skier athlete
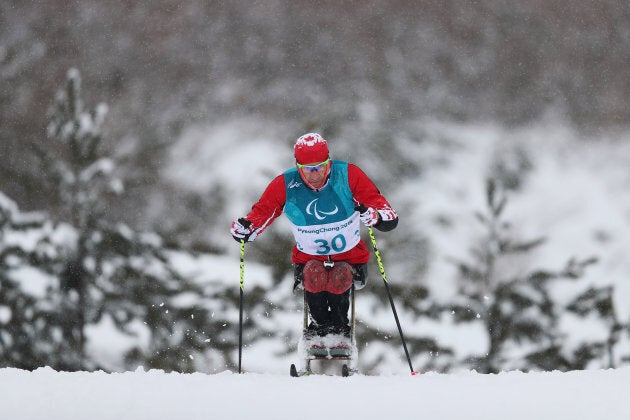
[[325, 200]]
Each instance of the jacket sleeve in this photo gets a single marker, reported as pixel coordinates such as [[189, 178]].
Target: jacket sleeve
[[269, 206], [365, 192]]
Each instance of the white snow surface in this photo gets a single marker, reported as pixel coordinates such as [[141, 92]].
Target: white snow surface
[[154, 395]]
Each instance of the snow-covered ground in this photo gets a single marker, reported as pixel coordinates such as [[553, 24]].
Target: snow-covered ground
[[155, 395]]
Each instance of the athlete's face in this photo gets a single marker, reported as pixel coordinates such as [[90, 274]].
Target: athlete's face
[[314, 173]]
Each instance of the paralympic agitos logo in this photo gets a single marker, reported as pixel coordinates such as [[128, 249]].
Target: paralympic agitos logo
[[319, 214]]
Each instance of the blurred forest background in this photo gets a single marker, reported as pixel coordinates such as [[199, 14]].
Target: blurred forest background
[[364, 72]]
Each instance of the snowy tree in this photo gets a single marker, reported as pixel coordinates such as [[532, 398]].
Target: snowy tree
[[598, 301], [29, 335], [110, 272], [514, 303]]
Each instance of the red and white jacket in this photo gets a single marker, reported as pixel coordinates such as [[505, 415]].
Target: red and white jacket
[[272, 202]]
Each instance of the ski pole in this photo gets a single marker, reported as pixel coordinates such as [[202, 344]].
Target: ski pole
[[389, 294], [240, 306]]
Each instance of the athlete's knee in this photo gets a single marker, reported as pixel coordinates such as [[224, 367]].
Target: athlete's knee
[[341, 276], [315, 276]]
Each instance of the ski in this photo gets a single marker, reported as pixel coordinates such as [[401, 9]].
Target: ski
[[295, 373], [327, 352], [346, 371]]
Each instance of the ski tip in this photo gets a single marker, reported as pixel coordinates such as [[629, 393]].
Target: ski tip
[[414, 373], [293, 371]]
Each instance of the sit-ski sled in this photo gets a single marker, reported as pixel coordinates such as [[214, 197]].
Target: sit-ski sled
[[328, 350]]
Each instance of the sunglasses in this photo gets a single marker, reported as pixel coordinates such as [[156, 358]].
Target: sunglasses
[[312, 168]]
